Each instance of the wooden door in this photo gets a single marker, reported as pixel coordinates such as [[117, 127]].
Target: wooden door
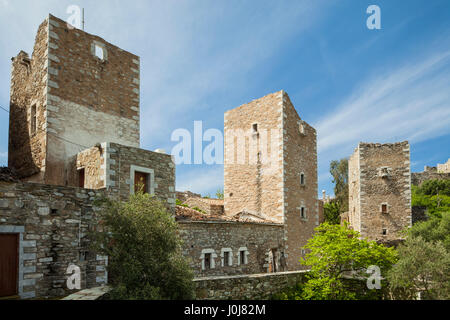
[[81, 177], [140, 181], [9, 264]]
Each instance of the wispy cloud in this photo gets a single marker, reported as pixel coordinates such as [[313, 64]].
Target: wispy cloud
[[411, 102]]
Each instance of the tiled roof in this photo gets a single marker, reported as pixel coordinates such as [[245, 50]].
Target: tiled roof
[[8, 175], [188, 214]]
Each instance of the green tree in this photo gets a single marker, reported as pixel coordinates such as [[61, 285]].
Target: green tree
[[436, 202], [332, 212], [423, 266], [219, 194], [339, 172], [140, 238], [335, 251]]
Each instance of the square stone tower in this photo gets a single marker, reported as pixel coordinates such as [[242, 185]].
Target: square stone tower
[[75, 91], [270, 168], [380, 190]]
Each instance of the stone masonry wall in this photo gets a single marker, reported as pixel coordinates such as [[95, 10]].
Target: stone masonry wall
[[53, 224], [300, 158], [250, 184], [121, 159], [26, 151], [417, 178], [89, 99], [354, 183], [385, 179], [93, 163], [257, 238], [254, 286]]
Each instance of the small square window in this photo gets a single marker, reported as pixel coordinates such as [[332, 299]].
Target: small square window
[[255, 127], [384, 208], [384, 232]]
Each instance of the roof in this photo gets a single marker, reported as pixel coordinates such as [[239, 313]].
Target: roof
[[188, 214], [8, 175]]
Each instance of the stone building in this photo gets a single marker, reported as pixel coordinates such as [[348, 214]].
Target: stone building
[[380, 190], [440, 172], [74, 135], [270, 169]]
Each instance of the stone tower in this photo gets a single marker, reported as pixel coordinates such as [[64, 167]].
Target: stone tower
[[270, 169], [75, 91], [380, 190]]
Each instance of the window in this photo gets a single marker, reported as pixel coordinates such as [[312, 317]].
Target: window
[[141, 178], [207, 257], [141, 182], [384, 232], [99, 53], [384, 208], [302, 179], [207, 261], [33, 119], [243, 256], [255, 127], [226, 258], [81, 177], [303, 212]]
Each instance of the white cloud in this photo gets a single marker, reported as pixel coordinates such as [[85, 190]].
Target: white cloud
[[411, 102]]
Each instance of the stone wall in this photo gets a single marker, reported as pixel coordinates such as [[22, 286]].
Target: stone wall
[[242, 287], [53, 224], [183, 195], [385, 180], [92, 161], [81, 100], [354, 195], [299, 159], [444, 168], [27, 149], [253, 185], [417, 178], [258, 239], [122, 160]]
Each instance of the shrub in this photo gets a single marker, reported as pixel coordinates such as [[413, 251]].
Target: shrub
[[140, 238]]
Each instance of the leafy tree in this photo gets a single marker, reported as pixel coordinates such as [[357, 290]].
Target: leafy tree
[[335, 251], [332, 212], [423, 266], [219, 194], [339, 172], [435, 187], [433, 230], [140, 238], [436, 204]]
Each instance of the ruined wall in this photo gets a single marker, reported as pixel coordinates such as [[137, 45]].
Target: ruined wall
[[354, 182], [258, 238], [53, 224], [385, 179], [250, 183], [417, 178], [210, 206], [299, 158], [92, 161], [26, 150], [121, 159], [444, 168]]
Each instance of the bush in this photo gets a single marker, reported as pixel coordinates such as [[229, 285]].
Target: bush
[[145, 260]]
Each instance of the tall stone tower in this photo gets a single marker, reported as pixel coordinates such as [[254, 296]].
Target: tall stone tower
[[270, 168], [380, 190], [75, 91]]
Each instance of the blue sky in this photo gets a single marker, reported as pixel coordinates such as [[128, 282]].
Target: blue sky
[[201, 58]]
